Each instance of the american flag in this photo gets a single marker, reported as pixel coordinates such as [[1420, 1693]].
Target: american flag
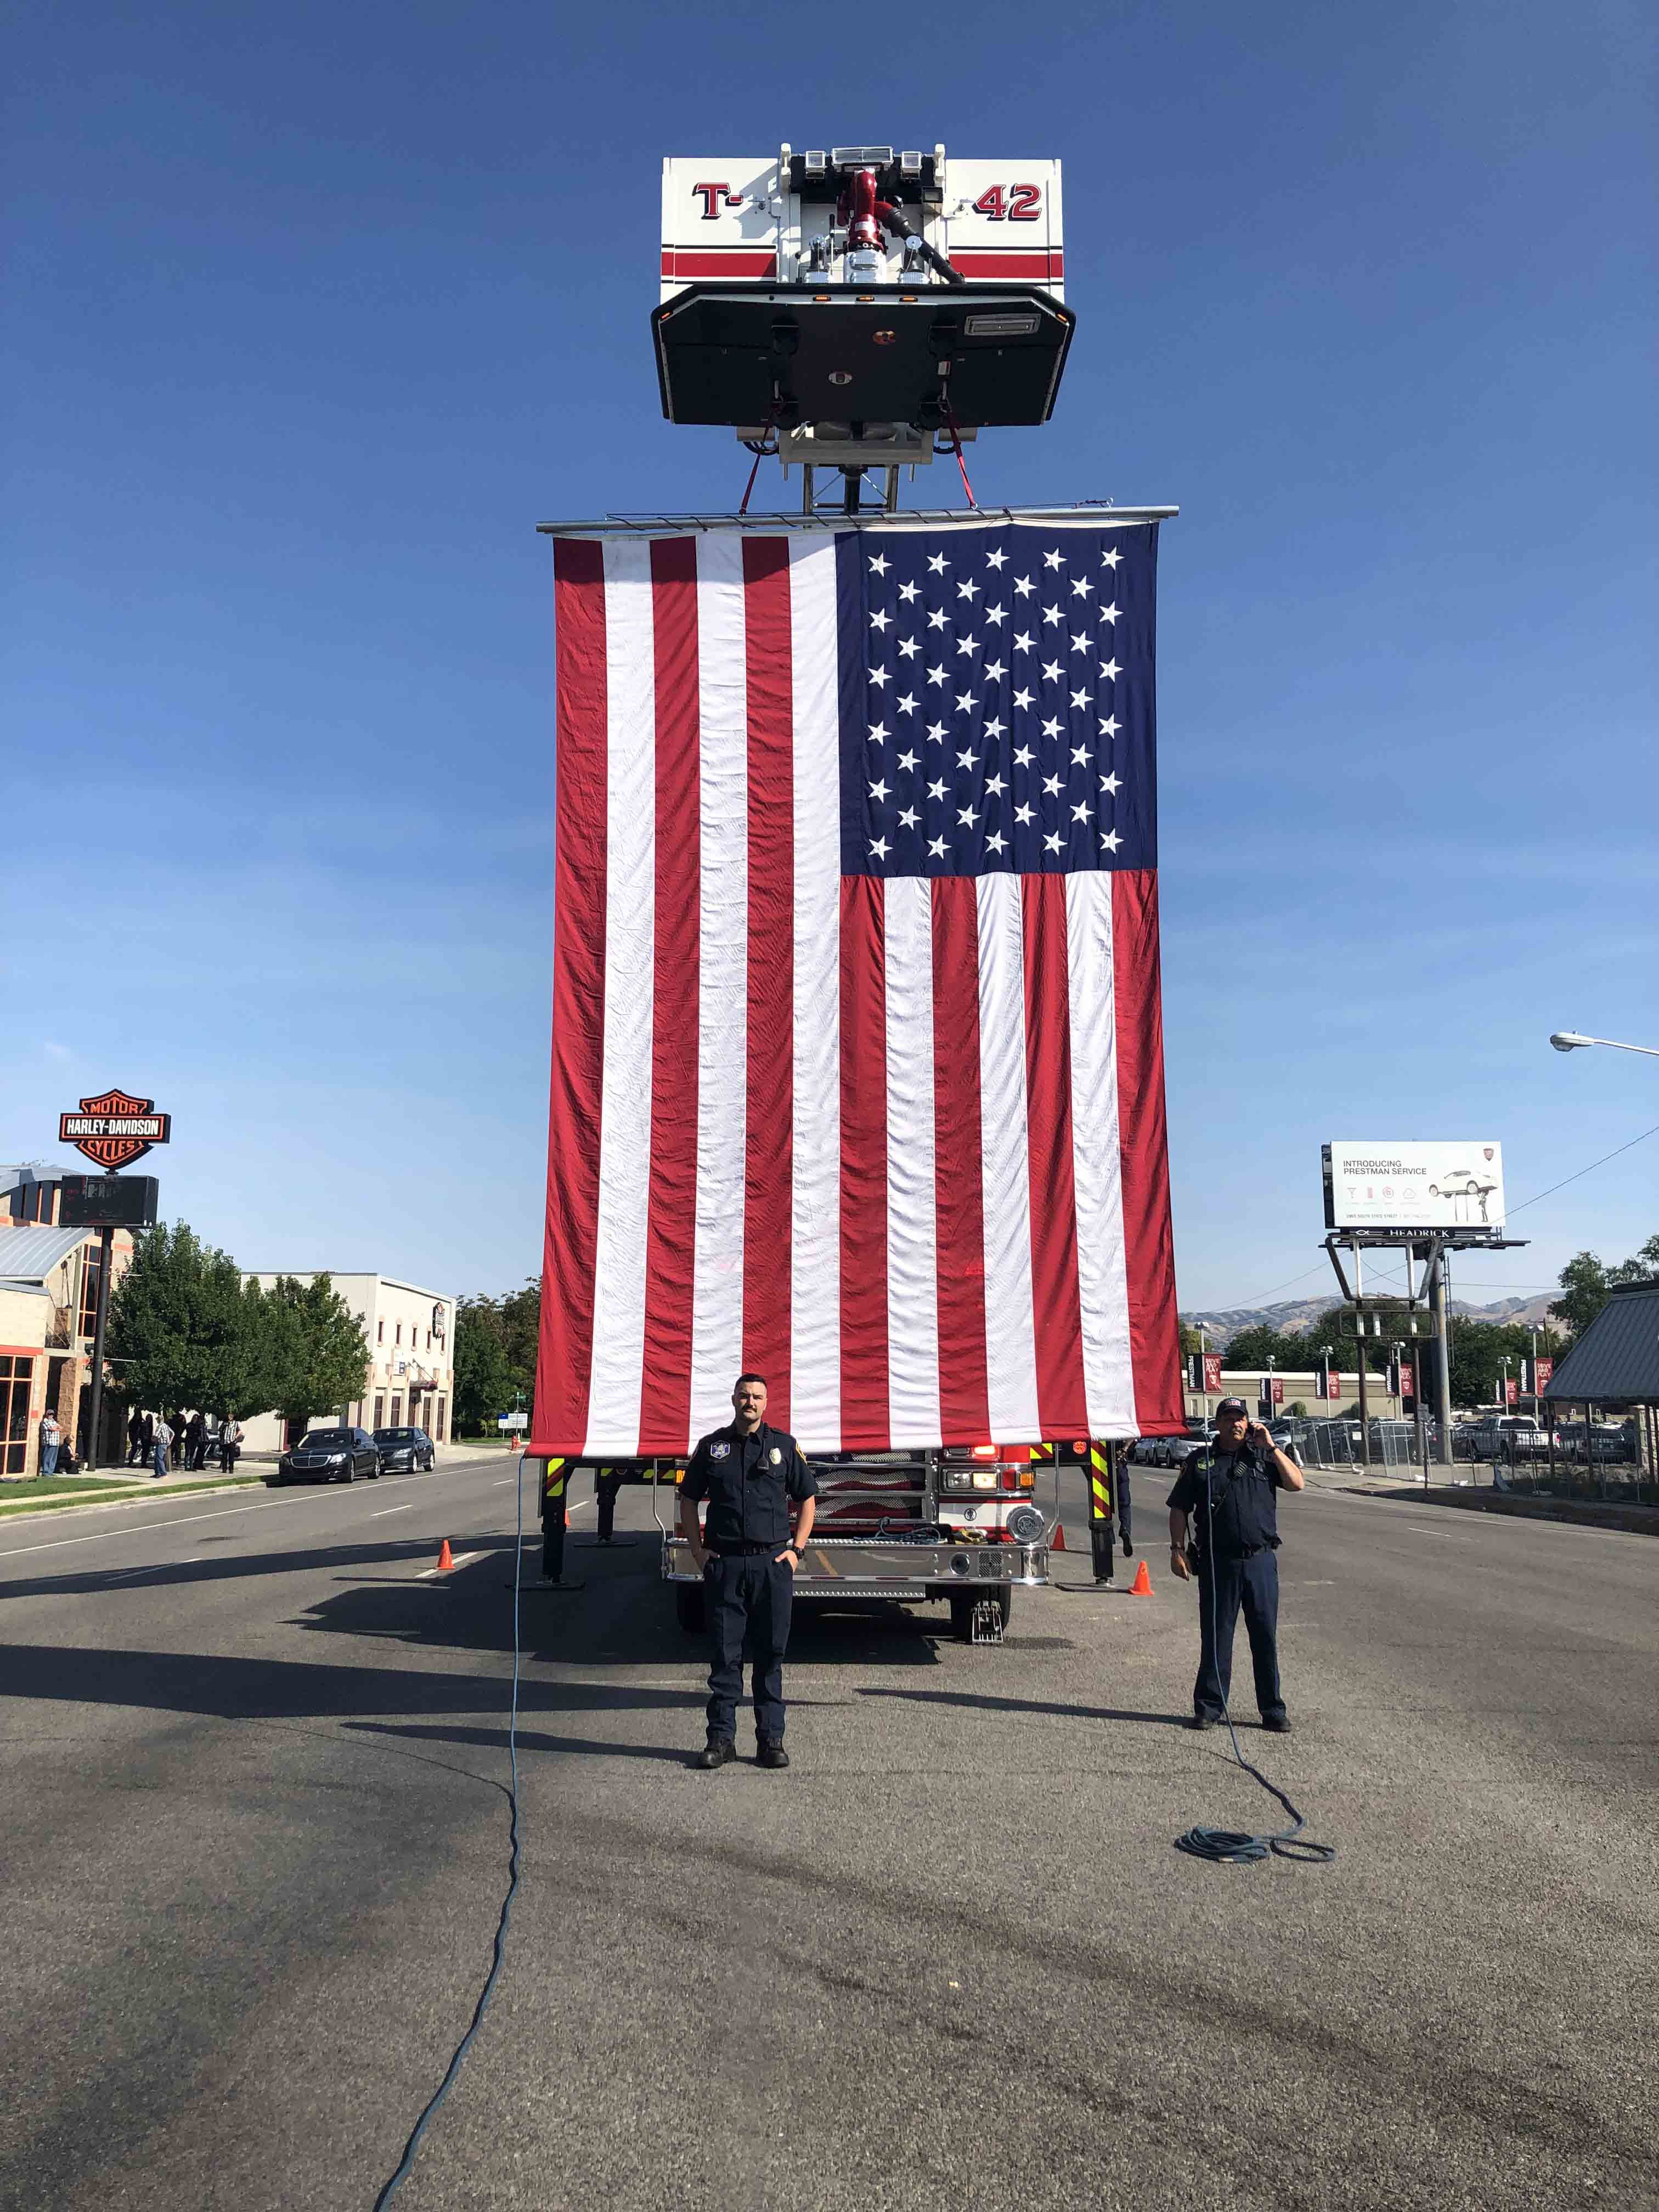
[[856, 1045]]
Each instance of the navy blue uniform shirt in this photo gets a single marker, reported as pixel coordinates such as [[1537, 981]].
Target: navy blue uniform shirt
[[1240, 1506], [748, 1481]]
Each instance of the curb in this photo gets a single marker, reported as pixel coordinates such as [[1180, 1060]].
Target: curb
[[113, 1497], [1625, 1520]]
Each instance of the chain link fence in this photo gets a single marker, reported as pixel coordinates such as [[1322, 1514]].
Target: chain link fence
[[1605, 1462]]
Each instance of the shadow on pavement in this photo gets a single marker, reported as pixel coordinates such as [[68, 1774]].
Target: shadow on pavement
[[979, 1701]]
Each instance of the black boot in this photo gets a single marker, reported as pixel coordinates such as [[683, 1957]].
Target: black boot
[[715, 1753], [771, 1752]]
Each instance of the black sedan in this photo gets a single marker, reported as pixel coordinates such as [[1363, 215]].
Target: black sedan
[[330, 1455], [410, 1449]]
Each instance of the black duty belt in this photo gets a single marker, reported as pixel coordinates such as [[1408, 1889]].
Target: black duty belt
[[745, 1551]]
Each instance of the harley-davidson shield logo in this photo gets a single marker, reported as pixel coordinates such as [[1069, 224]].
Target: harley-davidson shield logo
[[115, 1129]]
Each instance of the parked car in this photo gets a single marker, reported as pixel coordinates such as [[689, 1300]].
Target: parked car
[[1510, 1437], [404, 1450], [328, 1456], [1178, 1450]]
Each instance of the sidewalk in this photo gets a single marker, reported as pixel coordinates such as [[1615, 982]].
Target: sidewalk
[[1469, 1495]]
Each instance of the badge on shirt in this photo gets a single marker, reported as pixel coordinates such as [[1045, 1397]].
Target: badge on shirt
[[775, 1456], [721, 1451]]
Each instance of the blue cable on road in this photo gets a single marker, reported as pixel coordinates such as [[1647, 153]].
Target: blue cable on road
[[484, 1995], [1237, 1846]]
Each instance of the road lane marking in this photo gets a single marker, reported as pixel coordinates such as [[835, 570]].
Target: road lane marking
[[182, 1520], [457, 1559], [410, 1508]]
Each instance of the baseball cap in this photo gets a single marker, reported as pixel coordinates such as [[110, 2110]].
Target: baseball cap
[[1232, 1405]]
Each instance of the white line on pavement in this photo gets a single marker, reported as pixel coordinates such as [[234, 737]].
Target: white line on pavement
[[392, 1509]]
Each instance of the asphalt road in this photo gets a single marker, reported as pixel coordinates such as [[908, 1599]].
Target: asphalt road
[[254, 1839]]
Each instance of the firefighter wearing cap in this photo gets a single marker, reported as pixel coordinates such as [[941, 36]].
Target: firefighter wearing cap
[[1228, 1493]]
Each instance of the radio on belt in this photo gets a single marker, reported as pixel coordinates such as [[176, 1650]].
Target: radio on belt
[[853, 304]]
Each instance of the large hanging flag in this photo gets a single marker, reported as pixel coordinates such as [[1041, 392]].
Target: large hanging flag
[[858, 1074]]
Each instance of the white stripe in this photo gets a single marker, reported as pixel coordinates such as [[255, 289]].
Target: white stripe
[[613, 1403], [722, 979], [1097, 1162], [912, 1200], [1009, 1322], [815, 1194]]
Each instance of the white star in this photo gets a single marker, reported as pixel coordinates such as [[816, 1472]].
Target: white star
[[906, 705], [936, 732], [1108, 728], [1079, 699], [1024, 698], [995, 785], [1025, 586], [878, 677], [938, 563], [1110, 840], [995, 671], [878, 792], [967, 645], [1022, 642], [1081, 588], [1108, 668], [965, 816], [1080, 755], [1052, 560], [936, 790], [995, 560], [937, 619], [1109, 614], [996, 614], [964, 760], [907, 760], [1081, 644], [1110, 783], [878, 847], [968, 591], [878, 734], [1112, 558], [910, 818], [879, 565], [1051, 614], [1051, 729], [879, 620], [965, 703], [1051, 785], [1051, 671], [908, 648], [1053, 841], [1024, 756], [1080, 811], [996, 842], [908, 592], [994, 727], [936, 847], [1024, 815], [936, 675]]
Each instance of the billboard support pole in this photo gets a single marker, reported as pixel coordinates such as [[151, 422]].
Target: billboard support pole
[[95, 1404], [1437, 1308], [1359, 1338]]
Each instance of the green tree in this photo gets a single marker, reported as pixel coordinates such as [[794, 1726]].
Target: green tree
[[185, 1329], [485, 1384], [317, 1353], [1253, 1348], [1586, 1283]]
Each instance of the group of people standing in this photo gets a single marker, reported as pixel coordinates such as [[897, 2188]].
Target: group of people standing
[[167, 1446]]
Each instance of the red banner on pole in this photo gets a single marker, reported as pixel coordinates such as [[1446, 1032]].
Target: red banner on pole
[[1334, 1387], [1407, 1379], [1511, 1391], [1278, 1391], [1543, 1368], [1213, 1374]]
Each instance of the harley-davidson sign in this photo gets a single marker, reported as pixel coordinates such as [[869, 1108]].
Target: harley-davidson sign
[[115, 1129]]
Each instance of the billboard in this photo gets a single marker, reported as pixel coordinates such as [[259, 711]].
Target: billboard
[[1451, 1185]]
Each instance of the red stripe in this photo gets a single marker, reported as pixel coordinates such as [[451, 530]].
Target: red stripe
[[864, 1400], [565, 1355], [1062, 1399], [1149, 1242], [671, 1213], [964, 1389], [737, 261], [768, 1227], [1033, 261]]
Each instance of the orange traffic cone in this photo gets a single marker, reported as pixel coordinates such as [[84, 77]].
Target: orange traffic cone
[[1142, 1584], [1058, 1544], [446, 1562]]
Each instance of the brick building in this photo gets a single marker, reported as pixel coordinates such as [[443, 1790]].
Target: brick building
[[48, 1309]]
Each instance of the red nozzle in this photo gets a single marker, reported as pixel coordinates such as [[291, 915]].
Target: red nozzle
[[864, 230]]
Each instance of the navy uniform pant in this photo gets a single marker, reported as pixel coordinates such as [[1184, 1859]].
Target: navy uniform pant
[[1225, 1586], [749, 1600]]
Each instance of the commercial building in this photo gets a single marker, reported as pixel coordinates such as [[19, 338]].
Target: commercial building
[[410, 1336], [1287, 1388], [48, 1310]]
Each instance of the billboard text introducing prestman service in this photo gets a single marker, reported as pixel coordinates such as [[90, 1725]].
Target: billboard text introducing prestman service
[[1454, 1185]]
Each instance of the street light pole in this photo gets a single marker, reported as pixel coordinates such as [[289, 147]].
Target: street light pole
[[1571, 1041]]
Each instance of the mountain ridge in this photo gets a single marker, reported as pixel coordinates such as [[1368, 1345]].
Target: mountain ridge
[[1292, 1316]]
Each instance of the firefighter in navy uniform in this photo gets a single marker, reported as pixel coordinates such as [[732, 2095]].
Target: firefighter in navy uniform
[[747, 1556], [1229, 1492]]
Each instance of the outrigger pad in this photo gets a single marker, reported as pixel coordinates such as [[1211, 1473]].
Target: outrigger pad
[[754, 353]]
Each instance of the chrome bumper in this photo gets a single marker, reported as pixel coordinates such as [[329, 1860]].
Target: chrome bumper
[[886, 1566]]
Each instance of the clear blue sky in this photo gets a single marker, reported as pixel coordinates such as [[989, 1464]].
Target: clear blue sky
[[315, 311]]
